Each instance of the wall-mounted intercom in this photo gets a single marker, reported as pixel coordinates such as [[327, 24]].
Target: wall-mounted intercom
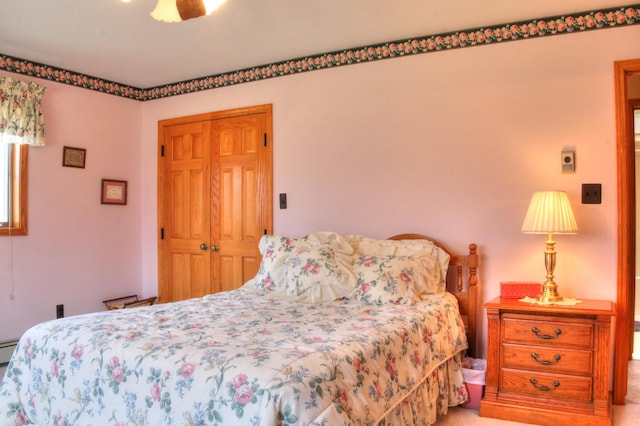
[[568, 161]]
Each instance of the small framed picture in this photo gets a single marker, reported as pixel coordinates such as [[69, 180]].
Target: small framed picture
[[114, 192], [73, 157]]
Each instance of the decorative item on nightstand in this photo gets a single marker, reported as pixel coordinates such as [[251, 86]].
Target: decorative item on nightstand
[[550, 213], [519, 289]]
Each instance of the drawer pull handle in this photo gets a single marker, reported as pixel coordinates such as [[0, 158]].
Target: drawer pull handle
[[535, 331], [556, 357], [542, 387]]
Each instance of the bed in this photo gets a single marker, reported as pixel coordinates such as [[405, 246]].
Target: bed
[[333, 330]]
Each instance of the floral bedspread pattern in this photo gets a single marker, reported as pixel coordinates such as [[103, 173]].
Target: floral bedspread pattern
[[233, 358]]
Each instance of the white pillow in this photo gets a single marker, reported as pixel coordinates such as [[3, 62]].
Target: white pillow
[[338, 242], [317, 274], [275, 251], [418, 248], [396, 279]]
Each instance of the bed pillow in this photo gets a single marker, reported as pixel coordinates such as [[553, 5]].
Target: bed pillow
[[417, 248], [396, 279], [319, 273], [338, 242], [274, 250]]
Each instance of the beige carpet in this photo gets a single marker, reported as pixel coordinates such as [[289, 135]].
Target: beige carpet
[[623, 415]]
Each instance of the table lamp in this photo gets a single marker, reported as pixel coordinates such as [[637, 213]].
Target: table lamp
[[549, 213]]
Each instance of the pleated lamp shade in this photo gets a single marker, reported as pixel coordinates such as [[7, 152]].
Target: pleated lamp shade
[[549, 212]]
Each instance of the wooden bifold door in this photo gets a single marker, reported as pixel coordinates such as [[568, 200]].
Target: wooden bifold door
[[215, 200]]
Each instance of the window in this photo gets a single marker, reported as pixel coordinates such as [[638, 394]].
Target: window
[[13, 189], [22, 125]]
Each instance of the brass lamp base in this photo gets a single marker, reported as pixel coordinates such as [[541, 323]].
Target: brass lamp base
[[549, 296], [549, 292]]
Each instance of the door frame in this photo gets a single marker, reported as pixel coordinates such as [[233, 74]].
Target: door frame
[[625, 159]]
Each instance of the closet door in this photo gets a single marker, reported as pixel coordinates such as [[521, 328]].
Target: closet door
[[238, 145], [185, 260], [214, 200]]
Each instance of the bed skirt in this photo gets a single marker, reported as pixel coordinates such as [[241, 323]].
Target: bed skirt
[[442, 388]]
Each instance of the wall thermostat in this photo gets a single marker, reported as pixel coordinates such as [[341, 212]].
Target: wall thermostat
[[568, 161]]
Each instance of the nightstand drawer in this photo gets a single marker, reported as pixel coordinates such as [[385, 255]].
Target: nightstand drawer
[[577, 388], [548, 359], [540, 330]]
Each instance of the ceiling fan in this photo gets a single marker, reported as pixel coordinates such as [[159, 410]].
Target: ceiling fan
[[181, 10]]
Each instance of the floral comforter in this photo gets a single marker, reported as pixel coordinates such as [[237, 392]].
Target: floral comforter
[[233, 358]]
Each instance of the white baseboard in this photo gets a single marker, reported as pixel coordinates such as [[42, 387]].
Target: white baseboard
[[6, 350]]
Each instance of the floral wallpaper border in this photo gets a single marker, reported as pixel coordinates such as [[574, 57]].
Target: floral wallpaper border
[[565, 24]]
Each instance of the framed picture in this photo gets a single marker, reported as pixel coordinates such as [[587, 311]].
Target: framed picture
[[73, 157], [114, 192]]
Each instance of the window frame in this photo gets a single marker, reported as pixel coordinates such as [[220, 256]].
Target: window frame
[[18, 159]]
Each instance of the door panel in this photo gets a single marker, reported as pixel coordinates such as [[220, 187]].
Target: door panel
[[186, 199], [189, 275], [239, 229]]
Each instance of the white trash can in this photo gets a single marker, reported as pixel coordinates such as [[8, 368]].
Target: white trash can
[[474, 372]]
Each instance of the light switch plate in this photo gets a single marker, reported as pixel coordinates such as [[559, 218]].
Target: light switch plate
[[591, 193]]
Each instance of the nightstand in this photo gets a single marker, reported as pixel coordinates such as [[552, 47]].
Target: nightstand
[[548, 364]]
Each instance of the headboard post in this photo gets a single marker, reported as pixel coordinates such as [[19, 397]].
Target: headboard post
[[472, 290]]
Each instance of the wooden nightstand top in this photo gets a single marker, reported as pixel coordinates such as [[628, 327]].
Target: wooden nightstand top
[[587, 307]]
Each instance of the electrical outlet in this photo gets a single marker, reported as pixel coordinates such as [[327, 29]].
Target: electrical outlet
[[283, 201], [59, 311], [591, 193]]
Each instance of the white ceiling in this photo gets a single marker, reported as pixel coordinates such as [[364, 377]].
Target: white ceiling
[[120, 42]]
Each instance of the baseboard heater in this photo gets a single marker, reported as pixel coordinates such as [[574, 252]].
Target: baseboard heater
[[6, 350]]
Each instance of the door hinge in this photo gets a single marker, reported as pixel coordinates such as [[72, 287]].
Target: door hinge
[[265, 139], [162, 233], [162, 151]]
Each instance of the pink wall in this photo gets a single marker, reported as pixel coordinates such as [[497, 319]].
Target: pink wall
[[449, 144], [78, 252]]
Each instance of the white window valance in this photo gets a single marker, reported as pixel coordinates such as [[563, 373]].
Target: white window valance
[[21, 118]]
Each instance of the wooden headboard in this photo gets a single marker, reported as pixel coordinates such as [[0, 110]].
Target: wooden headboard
[[468, 300]]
